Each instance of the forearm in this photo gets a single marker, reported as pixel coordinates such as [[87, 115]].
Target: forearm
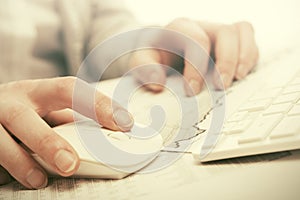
[[108, 19]]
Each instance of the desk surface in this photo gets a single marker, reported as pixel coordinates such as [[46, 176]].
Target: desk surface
[[270, 176], [273, 176]]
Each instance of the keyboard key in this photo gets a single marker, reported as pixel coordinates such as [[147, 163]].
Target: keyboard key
[[253, 115], [278, 108], [260, 129], [227, 127], [236, 127], [293, 97], [255, 105], [266, 94], [291, 89], [295, 110], [287, 127], [238, 116], [295, 81]]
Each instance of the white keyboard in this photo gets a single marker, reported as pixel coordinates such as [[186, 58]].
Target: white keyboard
[[263, 113]]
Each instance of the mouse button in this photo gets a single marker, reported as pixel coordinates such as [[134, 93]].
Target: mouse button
[[151, 145], [116, 135], [87, 124], [91, 126], [69, 133], [140, 146], [142, 131], [89, 169]]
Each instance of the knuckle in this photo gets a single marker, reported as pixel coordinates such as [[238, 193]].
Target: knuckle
[[50, 143], [205, 40], [226, 64], [10, 163], [22, 84], [191, 29], [18, 157], [201, 37], [64, 86], [244, 59], [227, 30], [104, 112], [14, 111], [249, 58], [19, 166], [104, 106], [245, 25], [17, 86], [12, 160], [180, 21]]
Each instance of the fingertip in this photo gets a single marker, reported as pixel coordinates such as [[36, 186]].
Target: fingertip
[[151, 76], [155, 80], [194, 79], [123, 119], [193, 87], [37, 178], [155, 87], [66, 162], [222, 81], [242, 71]]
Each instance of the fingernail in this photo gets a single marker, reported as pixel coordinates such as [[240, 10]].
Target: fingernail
[[155, 81], [226, 80], [154, 77], [65, 161], [223, 81], [123, 119], [242, 72], [36, 179], [194, 88]]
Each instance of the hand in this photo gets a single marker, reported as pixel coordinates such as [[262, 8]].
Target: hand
[[25, 107], [232, 46]]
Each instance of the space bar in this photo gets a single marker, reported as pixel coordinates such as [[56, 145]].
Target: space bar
[[260, 129]]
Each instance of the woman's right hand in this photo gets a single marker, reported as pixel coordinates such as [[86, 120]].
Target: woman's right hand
[[28, 109]]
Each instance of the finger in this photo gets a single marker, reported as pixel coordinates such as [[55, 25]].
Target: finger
[[147, 69], [35, 133], [227, 55], [69, 92], [4, 176], [194, 80], [56, 118], [19, 164], [196, 56], [248, 54]]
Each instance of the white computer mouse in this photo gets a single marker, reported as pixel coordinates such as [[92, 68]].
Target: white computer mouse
[[146, 149]]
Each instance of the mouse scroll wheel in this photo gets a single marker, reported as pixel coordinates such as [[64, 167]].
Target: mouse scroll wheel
[[118, 136]]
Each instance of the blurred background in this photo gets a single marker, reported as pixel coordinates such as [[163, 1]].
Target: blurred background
[[276, 22]]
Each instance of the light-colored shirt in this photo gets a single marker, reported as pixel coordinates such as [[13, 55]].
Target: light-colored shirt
[[48, 38]]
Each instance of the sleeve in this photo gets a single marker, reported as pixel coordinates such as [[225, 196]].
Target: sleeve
[[110, 17], [87, 25]]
